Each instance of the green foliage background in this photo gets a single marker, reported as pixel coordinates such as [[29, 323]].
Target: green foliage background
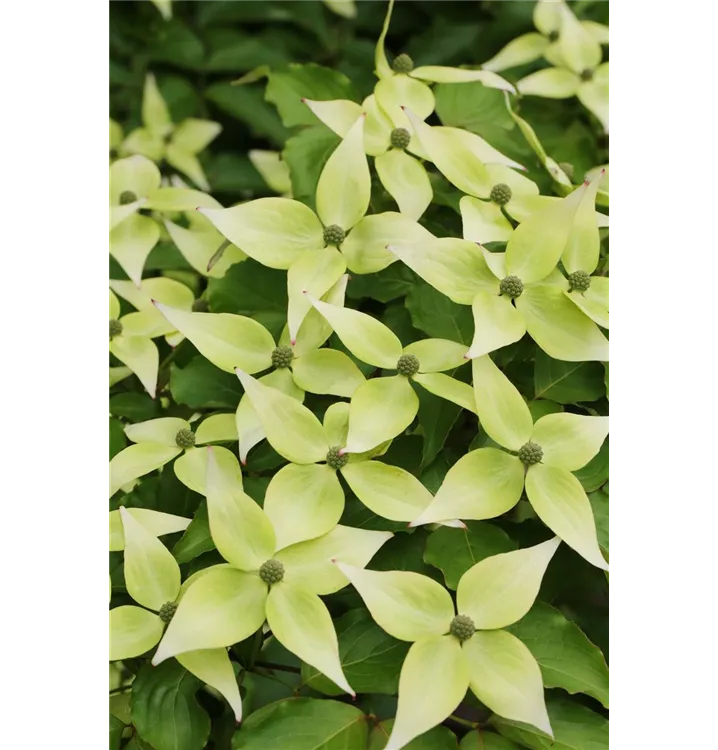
[[195, 57]]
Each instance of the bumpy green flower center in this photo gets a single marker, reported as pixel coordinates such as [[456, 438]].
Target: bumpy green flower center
[[167, 612], [334, 235], [553, 36], [500, 194], [579, 281], [530, 453], [408, 365], [403, 63], [127, 196], [587, 74], [335, 459], [200, 305], [462, 627], [400, 138], [115, 328], [271, 571], [184, 438], [282, 356], [511, 286]]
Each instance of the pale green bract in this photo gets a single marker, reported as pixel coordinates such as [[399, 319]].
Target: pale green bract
[[440, 666]]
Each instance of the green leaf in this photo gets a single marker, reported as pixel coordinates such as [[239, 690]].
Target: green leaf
[[253, 290], [137, 407], [306, 154], [201, 385], [395, 281], [438, 316], [454, 551], [595, 473], [371, 659], [165, 711], [436, 418], [438, 738], [566, 656], [117, 437], [196, 539], [303, 724], [286, 89], [575, 727], [247, 103], [116, 729], [481, 740], [567, 382], [599, 503]]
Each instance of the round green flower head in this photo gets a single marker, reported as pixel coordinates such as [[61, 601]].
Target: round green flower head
[[127, 196], [200, 305], [530, 453], [400, 138], [115, 328], [334, 235], [184, 438], [500, 194], [336, 460], [567, 168], [282, 356], [511, 286], [167, 612], [462, 627], [271, 571], [553, 36], [579, 281], [403, 63], [587, 74], [408, 365]]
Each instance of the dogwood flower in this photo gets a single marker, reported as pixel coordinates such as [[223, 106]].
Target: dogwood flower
[[153, 579], [381, 408], [547, 17], [543, 455], [452, 652], [136, 183], [131, 335], [161, 139], [578, 72], [402, 85], [158, 441], [264, 579], [316, 248], [521, 289]]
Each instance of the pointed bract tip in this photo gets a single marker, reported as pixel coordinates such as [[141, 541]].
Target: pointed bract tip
[[467, 356], [342, 451], [243, 461], [353, 695], [303, 100], [333, 560], [293, 342], [603, 171], [210, 449]]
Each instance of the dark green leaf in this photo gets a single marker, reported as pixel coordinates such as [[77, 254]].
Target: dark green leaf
[[235, 173], [482, 740], [117, 437], [567, 382], [438, 316], [599, 503], [454, 551], [201, 385], [303, 724], [251, 289], [438, 738], [541, 408], [196, 539], [178, 45], [247, 104], [306, 154], [404, 552], [595, 473], [371, 659], [165, 710], [384, 286], [136, 407], [567, 658], [116, 729], [287, 88], [436, 418], [575, 727]]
